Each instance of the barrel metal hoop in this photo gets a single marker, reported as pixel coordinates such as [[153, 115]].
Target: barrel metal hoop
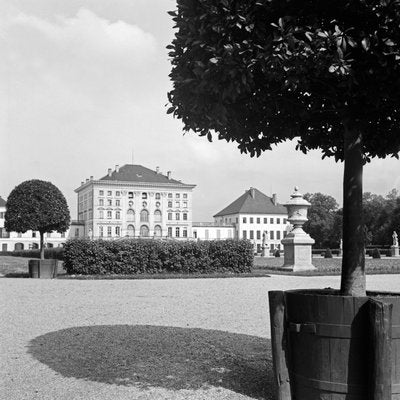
[[333, 330]]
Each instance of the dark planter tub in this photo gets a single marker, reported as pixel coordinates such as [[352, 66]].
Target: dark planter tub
[[328, 346], [45, 269]]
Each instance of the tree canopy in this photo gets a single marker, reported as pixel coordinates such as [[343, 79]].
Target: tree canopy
[[38, 206], [261, 72]]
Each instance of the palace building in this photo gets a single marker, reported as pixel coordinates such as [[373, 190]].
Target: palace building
[[135, 201], [254, 216]]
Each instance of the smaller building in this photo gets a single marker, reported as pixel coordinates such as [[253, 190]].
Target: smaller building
[[10, 241], [256, 217], [213, 231]]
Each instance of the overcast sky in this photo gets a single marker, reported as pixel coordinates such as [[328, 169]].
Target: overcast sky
[[83, 87]]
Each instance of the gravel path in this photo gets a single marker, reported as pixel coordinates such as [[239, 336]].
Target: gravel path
[[142, 339]]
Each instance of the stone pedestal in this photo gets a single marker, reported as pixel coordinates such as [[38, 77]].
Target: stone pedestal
[[298, 253], [297, 244], [394, 250], [265, 251]]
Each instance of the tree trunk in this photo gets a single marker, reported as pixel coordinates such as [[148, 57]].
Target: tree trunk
[[41, 245], [353, 262]]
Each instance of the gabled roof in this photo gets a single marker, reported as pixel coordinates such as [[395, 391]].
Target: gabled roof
[[2, 202], [138, 173], [253, 202]]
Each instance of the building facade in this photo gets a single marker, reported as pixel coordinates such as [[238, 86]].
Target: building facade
[[213, 231], [256, 217], [135, 201], [10, 241]]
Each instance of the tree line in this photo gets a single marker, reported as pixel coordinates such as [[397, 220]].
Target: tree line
[[325, 219]]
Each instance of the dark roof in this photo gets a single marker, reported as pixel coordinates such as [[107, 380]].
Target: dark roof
[[2, 202], [138, 173], [247, 204]]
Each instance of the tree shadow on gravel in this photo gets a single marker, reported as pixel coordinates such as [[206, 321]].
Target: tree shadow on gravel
[[159, 356]]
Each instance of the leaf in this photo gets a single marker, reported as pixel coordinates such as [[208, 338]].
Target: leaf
[[365, 43], [214, 60], [170, 110]]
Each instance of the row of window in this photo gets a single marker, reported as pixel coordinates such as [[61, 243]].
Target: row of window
[[258, 235], [144, 215], [117, 203], [34, 234], [145, 195], [258, 220], [144, 231]]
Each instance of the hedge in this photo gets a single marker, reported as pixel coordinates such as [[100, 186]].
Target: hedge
[[93, 257], [54, 252]]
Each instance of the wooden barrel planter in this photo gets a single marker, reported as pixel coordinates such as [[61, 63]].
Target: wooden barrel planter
[[45, 269], [336, 347]]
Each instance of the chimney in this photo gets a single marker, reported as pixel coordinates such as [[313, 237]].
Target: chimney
[[252, 192], [117, 168], [91, 177], [169, 174], [82, 183], [275, 199], [109, 171], [157, 170], [87, 180]]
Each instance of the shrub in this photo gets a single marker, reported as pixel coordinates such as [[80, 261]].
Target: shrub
[[92, 257], [277, 253], [376, 253], [54, 252], [328, 253]]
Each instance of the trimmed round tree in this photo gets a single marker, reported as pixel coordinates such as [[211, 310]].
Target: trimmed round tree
[[38, 206], [325, 73]]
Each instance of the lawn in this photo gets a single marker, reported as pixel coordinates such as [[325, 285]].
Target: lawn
[[18, 267]]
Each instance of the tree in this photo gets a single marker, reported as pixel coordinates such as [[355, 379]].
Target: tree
[[38, 206], [327, 73], [321, 220]]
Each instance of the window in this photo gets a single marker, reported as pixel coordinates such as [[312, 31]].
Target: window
[[169, 195], [109, 214], [144, 204], [251, 235], [244, 220], [144, 231], [271, 220], [130, 195], [118, 203], [63, 234], [144, 196], [101, 193], [144, 216], [101, 202], [117, 231], [284, 220], [20, 235], [184, 233], [265, 220], [109, 202], [101, 214], [185, 216], [118, 193], [169, 216], [101, 231], [284, 234], [2, 214], [244, 235], [131, 230], [271, 235], [185, 204], [33, 234], [278, 235], [131, 215], [195, 234], [158, 196], [258, 220], [185, 195], [109, 230], [157, 231], [170, 204], [117, 215], [206, 234], [177, 204], [251, 220], [158, 204], [157, 216], [237, 220], [258, 235], [177, 195], [177, 216], [278, 220], [177, 232], [169, 231], [130, 204], [109, 193]]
